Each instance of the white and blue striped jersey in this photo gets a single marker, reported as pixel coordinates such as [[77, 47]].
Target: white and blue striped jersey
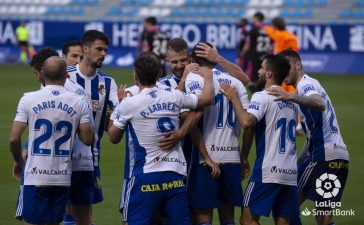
[[53, 115], [275, 138], [220, 129], [101, 90], [147, 116], [325, 142], [170, 80]]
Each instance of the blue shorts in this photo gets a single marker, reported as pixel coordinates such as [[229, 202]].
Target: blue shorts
[[85, 189], [280, 199], [205, 192], [323, 181], [44, 204], [152, 193]]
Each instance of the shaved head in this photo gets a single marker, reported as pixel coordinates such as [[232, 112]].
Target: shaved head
[[54, 69]]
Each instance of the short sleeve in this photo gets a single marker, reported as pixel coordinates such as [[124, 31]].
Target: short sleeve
[[306, 88], [186, 101], [113, 97], [194, 84], [243, 96], [258, 106], [122, 114], [21, 111], [85, 112]]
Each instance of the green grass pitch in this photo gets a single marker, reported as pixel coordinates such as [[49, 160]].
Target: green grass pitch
[[346, 93]]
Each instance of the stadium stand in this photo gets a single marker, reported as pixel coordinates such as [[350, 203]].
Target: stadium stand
[[224, 11]]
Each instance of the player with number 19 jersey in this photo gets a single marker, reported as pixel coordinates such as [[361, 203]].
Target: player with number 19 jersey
[[275, 138]]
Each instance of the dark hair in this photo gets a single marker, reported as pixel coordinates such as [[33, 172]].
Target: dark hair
[[279, 66], [279, 23], [42, 55], [68, 44], [259, 15], [147, 68], [290, 54], [151, 20], [177, 45], [199, 60], [91, 36], [244, 22], [54, 68]]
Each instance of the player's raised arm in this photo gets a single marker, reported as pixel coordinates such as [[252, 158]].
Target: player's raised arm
[[211, 54], [313, 101], [207, 96], [245, 119]]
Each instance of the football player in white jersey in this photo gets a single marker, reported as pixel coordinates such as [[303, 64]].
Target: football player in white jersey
[[325, 156], [72, 52], [179, 62], [101, 90], [273, 184], [220, 143], [53, 115], [155, 176], [36, 64]]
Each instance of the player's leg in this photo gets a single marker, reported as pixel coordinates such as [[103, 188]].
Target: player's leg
[[82, 214], [286, 205], [202, 216], [175, 209], [143, 198], [259, 199], [281, 221], [332, 176], [231, 192], [44, 205], [304, 172], [203, 193], [82, 196], [248, 218], [226, 214]]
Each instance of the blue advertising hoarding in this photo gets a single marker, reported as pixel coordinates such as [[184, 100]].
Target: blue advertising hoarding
[[324, 48]]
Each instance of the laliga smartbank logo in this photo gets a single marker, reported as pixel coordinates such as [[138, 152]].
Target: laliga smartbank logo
[[328, 186]]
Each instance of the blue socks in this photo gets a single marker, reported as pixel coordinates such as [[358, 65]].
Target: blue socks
[[68, 220]]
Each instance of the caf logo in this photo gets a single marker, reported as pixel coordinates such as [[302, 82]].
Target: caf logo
[[327, 185]]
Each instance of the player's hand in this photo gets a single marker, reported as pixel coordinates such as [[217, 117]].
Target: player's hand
[[280, 93], [215, 169], [245, 169], [122, 93], [190, 68], [229, 91], [17, 170], [205, 51], [169, 140]]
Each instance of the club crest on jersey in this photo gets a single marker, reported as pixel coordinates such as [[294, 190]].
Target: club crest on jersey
[[55, 93], [102, 89]]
